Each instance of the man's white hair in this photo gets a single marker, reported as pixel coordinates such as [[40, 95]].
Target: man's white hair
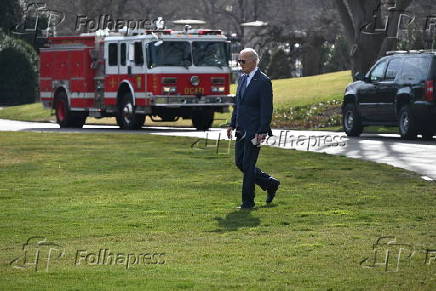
[[252, 52]]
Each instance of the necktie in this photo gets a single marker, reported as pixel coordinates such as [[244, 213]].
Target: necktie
[[243, 86]]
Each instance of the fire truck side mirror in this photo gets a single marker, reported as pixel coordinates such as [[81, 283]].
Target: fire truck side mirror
[[94, 54], [229, 52]]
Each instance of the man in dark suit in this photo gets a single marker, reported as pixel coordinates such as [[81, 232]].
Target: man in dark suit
[[251, 118]]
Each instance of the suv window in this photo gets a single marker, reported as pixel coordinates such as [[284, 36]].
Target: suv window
[[415, 70], [378, 72], [394, 67]]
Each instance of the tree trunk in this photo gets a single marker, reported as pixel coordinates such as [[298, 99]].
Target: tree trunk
[[363, 30], [391, 40], [312, 55]]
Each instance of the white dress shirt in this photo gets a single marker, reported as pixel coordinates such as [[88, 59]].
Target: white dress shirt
[[250, 76]]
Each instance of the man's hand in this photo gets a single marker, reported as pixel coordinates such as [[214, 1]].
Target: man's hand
[[260, 137], [229, 132]]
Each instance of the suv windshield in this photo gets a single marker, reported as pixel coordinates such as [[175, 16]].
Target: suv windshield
[[169, 53], [206, 53]]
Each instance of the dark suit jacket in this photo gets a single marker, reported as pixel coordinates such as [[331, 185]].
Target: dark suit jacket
[[252, 112]]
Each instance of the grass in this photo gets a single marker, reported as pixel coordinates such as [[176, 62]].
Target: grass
[[141, 193], [28, 112], [287, 93], [36, 112], [310, 90]]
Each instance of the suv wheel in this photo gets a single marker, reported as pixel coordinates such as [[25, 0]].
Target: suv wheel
[[407, 123], [351, 121], [427, 133]]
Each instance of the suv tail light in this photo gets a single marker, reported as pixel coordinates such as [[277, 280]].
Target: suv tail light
[[429, 90]]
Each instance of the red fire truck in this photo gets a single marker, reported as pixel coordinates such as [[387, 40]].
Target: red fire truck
[[163, 74]]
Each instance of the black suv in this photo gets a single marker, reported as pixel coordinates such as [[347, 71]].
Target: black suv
[[399, 90]]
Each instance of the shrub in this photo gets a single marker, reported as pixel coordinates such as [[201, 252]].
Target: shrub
[[320, 115], [18, 71]]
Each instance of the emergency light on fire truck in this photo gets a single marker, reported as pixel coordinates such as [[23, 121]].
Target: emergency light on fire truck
[[163, 74]]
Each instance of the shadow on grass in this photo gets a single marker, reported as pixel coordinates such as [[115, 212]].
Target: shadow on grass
[[235, 220]]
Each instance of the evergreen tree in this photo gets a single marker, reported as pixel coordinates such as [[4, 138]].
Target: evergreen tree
[[10, 14]]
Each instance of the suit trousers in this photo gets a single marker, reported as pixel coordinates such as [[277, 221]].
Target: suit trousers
[[246, 155]]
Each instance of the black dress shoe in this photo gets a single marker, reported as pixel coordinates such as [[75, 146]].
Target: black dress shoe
[[272, 190]]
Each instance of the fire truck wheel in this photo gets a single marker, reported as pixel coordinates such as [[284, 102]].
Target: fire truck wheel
[[202, 119], [64, 116], [126, 116]]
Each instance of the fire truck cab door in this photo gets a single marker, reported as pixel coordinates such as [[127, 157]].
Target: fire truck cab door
[[116, 58], [112, 57], [123, 64], [136, 58]]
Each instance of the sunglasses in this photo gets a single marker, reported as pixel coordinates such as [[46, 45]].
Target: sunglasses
[[242, 62]]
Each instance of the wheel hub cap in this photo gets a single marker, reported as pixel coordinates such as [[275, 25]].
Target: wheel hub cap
[[60, 110], [127, 113], [349, 120], [405, 123]]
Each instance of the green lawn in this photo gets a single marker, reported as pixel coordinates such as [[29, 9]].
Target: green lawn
[[28, 112], [287, 93], [136, 194], [310, 90], [36, 112]]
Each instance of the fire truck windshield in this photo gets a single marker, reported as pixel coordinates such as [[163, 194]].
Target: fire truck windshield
[[206, 53], [169, 53], [178, 53]]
